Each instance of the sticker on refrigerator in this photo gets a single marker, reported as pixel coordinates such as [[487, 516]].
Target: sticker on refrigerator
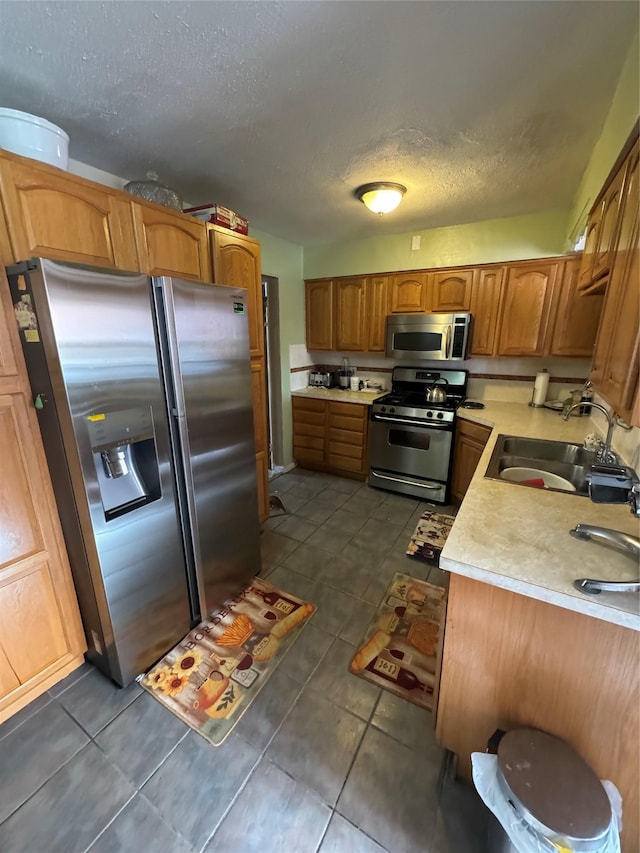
[[238, 307], [25, 315]]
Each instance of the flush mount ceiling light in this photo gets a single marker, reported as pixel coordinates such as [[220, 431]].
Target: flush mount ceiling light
[[380, 196]]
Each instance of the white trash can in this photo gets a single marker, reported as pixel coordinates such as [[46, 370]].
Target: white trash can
[[544, 794]]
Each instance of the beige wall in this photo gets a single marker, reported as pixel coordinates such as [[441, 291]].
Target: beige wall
[[622, 115], [517, 238], [284, 261]]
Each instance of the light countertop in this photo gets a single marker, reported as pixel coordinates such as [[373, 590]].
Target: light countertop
[[517, 538], [340, 395]]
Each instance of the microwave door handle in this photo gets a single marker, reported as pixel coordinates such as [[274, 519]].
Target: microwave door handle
[[446, 345]]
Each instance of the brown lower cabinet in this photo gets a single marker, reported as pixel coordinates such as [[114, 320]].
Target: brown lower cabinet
[[512, 661], [331, 436], [470, 441]]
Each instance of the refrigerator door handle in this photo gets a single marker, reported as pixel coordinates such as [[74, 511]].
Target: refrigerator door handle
[[170, 353]]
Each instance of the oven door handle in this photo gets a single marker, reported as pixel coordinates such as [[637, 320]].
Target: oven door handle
[[417, 424], [406, 482]]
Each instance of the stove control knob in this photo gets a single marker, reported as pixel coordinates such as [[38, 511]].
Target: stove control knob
[[429, 414], [392, 409], [440, 415], [383, 408]]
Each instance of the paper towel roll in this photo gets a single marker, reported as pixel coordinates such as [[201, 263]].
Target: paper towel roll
[[540, 388]]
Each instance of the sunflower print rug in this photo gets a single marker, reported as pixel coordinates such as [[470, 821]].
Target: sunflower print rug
[[212, 676]]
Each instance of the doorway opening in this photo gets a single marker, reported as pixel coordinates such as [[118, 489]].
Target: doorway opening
[[270, 301]]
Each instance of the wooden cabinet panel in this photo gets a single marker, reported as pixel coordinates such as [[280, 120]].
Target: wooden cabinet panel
[[511, 661], [408, 293], [40, 628], [262, 476], [30, 613], [170, 243], [350, 314], [376, 309], [330, 436], [65, 218], [451, 290], [259, 398], [21, 533], [319, 316], [525, 309], [576, 317], [485, 305], [469, 443], [608, 227], [585, 276], [236, 263], [615, 366], [8, 366]]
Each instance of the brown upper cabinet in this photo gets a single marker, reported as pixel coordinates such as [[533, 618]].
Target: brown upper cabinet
[[526, 307], [350, 314], [602, 232], [451, 290], [236, 263], [319, 314], [485, 305], [408, 292], [170, 244], [56, 215], [615, 369], [576, 318], [376, 311]]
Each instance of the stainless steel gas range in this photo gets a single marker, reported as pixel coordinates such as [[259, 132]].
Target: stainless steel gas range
[[412, 430]]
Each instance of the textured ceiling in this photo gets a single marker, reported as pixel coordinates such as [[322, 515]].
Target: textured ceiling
[[280, 110]]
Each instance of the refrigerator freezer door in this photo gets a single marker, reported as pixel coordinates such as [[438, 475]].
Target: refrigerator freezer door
[[99, 359], [210, 377]]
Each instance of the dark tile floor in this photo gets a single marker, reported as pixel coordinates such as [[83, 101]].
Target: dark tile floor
[[322, 761]]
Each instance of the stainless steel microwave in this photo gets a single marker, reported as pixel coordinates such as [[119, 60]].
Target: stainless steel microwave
[[434, 337]]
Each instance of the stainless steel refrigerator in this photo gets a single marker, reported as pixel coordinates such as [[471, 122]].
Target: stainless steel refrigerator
[[143, 392]]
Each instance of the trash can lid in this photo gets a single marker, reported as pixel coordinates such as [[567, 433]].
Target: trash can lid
[[553, 788]]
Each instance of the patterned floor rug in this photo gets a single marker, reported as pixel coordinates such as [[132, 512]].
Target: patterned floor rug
[[430, 535], [400, 649], [212, 676]]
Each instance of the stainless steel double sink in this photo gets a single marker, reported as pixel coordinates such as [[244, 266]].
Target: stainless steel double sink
[[569, 461]]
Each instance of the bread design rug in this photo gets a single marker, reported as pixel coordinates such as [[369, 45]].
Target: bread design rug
[[211, 677], [430, 535], [400, 649]]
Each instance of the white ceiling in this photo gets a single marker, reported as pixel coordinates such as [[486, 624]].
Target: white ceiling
[[280, 110]]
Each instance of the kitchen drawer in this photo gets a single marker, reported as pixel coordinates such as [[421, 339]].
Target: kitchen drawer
[[301, 404], [302, 428], [351, 424], [352, 410], [308, 442], [307, 458], [477, 431], [345, 463], [340, 448], [346, 436]]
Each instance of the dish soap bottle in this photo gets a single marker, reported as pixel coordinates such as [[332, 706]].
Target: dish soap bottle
[[586, 398]]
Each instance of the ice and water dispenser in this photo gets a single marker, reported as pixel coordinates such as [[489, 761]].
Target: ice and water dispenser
[[124, 455]]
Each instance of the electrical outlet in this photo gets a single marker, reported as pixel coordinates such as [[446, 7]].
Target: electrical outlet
[[415, 243]]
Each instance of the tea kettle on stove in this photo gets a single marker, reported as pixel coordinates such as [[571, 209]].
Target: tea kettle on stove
[[434, 393]]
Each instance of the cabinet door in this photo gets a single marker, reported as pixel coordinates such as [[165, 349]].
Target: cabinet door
[[451, 290], [376, 309], [615, 365], [608, 229], [170, 243], [485, 305], [262, 475], [40, 629], [319, 314], [261, 431], [576, 316], [470, 442], [236, 263], [350, 314], [585, 276], [408, 293], [525, 309], [62, 217]]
